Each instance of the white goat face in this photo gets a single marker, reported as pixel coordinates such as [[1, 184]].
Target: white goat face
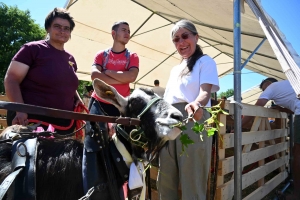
[[157, 122]]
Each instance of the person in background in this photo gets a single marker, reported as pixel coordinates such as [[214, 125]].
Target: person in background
[[157, 89], [43, 73], [189, 89], [87, 96], [284, 96]]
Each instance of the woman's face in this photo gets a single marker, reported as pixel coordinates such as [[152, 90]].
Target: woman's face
[[185, 42], [59, 30]]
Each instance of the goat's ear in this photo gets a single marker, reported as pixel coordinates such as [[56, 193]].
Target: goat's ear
[[109, 94]]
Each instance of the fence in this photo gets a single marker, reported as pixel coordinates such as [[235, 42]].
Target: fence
[[264, 157], [3, 123]]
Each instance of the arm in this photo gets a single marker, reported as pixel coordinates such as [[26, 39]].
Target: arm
[[123, 76], [202, 99], [96, 73], [282, 109], [247, 119], [14, 76]]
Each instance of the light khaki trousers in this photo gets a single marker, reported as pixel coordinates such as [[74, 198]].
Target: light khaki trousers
[[189, 170]]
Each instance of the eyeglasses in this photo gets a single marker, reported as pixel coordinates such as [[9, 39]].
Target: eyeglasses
[[61, 28], [184, 36]]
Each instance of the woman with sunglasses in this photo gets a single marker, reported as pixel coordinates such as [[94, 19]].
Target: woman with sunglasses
[[42, 73], [189, 89]]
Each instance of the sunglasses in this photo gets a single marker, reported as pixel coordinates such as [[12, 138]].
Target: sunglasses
[[184, 36]]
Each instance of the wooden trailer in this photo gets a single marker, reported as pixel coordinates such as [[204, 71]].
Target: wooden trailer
[[265, 155]]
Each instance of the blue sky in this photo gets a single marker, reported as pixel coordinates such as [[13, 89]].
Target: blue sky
[[285, 12]]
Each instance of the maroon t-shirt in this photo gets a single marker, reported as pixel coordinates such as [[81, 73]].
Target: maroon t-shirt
[[51, 80]]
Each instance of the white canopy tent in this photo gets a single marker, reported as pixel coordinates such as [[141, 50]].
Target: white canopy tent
[[151, 21]]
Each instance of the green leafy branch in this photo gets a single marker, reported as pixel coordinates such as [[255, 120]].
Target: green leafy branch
[[210, 125]]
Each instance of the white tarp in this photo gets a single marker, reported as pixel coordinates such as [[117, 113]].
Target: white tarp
[[151, 21]]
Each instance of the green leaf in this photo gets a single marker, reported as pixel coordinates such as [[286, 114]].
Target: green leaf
[[183, 128], [185, 141], [211, 131], [198, 128]]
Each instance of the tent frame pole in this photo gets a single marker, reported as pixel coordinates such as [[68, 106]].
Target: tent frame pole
[[154, 68], [237, 98], [253, 53], [142, 25]]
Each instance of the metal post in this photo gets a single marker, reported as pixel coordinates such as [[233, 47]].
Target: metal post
[[291, 126], [237, 98]]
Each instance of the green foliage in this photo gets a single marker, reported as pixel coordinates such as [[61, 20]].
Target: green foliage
[[207, 125], [81, 87], [16, 29], [185, 141], [227, 93]]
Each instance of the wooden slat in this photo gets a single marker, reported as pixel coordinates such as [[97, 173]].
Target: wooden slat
[[3, 112], [220, 178], [3, 98], [261, 145], [227, 165], [225, 192], [258, 111], [3, 122], [227, 140], [222, 119], [268, 187], [153, 172]]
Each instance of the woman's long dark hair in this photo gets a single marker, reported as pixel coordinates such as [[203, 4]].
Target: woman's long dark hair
[[192, 60], [198, 51]]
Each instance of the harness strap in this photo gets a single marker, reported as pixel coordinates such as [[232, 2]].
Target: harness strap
[[24, 155], [106, 55], [5, 185], [149, 104]]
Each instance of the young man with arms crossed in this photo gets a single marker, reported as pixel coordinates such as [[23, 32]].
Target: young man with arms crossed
[[117, 67]]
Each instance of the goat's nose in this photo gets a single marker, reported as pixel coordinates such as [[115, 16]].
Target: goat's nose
[[177, 115]]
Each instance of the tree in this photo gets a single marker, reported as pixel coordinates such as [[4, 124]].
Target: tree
[[227, 93], [16, 29], [81, 87]]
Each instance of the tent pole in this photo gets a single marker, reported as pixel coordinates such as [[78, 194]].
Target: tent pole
[[237, 98], [142, 25], [253, 53], [154, 68]]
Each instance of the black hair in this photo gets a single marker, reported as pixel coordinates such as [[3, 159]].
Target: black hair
[[61, 13], [156, 82], [116, 25], [192, 60], [272, 80]]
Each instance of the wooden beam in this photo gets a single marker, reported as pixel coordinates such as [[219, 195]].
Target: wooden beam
[[227, 165], [268, 187], [226, 191], [3, 122], [227, 140], [3, 98], [3, 112], [261, 145], [258, 111]]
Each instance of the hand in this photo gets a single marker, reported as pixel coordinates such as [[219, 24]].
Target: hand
[[194, 109], [111, 129], [21, 119]]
